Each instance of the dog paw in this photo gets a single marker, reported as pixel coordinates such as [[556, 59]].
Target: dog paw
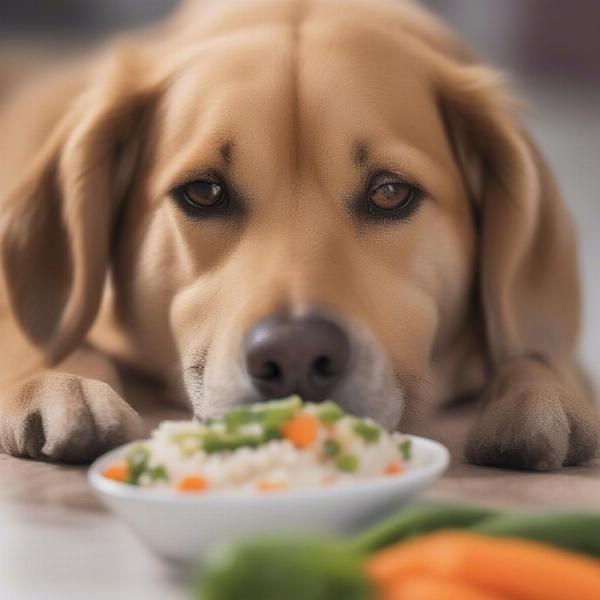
[[536, 428], [65, 418]]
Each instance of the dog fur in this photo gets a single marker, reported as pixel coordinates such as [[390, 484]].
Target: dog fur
[[296, 101]]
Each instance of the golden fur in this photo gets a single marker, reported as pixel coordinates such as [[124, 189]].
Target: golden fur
[[477, 293]]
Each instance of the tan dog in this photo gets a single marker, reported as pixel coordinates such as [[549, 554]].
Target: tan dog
[[268, 196]]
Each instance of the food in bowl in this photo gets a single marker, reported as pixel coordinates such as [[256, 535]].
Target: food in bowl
[[264, 447]]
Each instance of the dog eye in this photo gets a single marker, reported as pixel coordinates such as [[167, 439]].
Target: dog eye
[[203, 194], [393, 198]]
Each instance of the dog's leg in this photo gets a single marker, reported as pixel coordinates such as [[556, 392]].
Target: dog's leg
[[535, 419], [71, 413]]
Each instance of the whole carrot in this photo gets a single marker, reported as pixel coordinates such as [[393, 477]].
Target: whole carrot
[[514, 568], [427, 588]]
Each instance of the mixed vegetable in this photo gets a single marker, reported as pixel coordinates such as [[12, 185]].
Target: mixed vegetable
[[321, 441], [424, 552]]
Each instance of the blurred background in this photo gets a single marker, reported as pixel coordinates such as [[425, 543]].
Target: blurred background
[[550, 48]]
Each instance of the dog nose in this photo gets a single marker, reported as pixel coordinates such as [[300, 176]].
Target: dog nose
[[304, 355]]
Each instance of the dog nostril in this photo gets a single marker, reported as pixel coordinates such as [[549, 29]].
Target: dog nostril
[[323, 368], [270, 370]]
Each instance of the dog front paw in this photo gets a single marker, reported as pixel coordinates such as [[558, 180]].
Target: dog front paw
[[65, 418], [537, 428]]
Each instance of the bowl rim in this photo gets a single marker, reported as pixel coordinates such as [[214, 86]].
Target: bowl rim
[[434, 468]]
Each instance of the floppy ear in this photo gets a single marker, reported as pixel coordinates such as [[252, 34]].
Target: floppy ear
[[56, 231], [528, 261]]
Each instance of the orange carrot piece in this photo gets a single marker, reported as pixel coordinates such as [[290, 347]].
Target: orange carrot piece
[[394, 468], [192, 483], [427, 588], [301, 430], [408, 558], [117, 472], [511, 567], [265, 485]]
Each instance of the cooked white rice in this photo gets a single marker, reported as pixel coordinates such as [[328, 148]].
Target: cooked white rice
[[175, 452]]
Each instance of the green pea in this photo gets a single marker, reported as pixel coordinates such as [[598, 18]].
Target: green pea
[[329, 412], [405, 449], [158, 472], [347, 462], [137, 461], [331, 447], [368, 431]]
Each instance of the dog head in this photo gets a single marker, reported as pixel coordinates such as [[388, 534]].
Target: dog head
[[318, 197]]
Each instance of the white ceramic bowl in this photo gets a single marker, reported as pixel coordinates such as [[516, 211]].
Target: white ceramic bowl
[[181, 527]]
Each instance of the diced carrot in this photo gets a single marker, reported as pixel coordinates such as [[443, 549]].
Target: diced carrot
[[117, 472], [265, 485], [192, 483], [394, 468], [513, 568], [301, 430], [427, 588]]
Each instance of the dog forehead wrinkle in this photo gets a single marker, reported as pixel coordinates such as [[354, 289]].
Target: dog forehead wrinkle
[[295, 84], [361, 154], [226, 152]]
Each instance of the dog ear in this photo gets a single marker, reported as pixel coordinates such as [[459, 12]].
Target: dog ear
[[55, 233], [528, 274]]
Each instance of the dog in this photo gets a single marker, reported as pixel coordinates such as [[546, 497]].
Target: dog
[[258, 198]]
